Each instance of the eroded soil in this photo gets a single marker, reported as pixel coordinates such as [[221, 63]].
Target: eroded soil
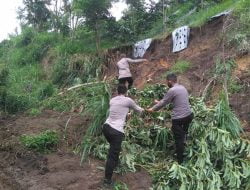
[[21, 169]]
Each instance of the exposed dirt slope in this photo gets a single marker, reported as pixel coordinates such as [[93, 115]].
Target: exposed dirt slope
[[21, 169]]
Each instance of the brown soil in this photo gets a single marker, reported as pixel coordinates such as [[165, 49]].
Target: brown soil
[[21, 169], [240, 100]]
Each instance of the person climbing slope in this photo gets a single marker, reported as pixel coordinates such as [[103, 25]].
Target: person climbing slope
[[113, 129], [182, 115], [124, 71]]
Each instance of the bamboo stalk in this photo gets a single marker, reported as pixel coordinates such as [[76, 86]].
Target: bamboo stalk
[[82, 85]]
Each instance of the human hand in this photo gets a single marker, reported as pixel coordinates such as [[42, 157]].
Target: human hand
[[156, 101], [150, 110], [129, 115]]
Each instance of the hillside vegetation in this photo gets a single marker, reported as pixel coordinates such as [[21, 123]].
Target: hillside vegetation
[[79, 42]]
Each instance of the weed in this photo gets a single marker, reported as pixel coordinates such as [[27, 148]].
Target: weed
[[180, 67], [44, 142], [97, 104], [69, 68], [4, 73], [234, 86], [34, 112], [14, 103], [45, 91], [237, 30], [120, 186], [201, 17]]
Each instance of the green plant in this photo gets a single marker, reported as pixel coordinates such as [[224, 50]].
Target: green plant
[[199, 18], [97, 104], [120, 186], [234, 86], [216, 155], [69, 68], [237, 28], [34, 112], [43, 142], [180, 67], [4, 73], [45, 91]]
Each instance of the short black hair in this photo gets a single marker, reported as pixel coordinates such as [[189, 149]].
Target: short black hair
[[172, 77], [122, 89]]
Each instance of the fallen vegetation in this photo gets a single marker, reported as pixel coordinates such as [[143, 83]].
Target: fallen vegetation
[[216, 155]]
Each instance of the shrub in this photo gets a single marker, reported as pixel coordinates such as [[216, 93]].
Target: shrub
[[4, 73], [234, 86], [43, 142], [238, 28], [34, 112], [61, 72], [14, 103], [47, 90], [69, 68], [30, 47], [180, 66]]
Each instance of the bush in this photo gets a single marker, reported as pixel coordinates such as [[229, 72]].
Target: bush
[[234, 86], [69, 68], [10, 102], [30, 46], [238, 31], [47, 90], [25, 38], [14, 103], [61, 72], [34, 112], [4, 73], [82, 42], [180, 66], [44, 142]]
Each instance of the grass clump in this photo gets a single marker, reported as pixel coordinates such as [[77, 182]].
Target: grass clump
[[235, 87], [204, 15], [45, 91], [44, 142], [120, 186], [69, 68], [34, 112], [238, 28], [181, 66]]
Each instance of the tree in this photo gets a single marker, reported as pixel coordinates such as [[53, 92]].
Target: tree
[[140, 17], [62, 16], [94, 12], [35, 13]]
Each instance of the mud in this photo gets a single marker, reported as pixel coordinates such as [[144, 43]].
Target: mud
[[21, 169]]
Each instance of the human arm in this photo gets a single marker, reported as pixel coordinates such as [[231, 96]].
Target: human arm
[[136, 60], [135, 107], [168, 97]]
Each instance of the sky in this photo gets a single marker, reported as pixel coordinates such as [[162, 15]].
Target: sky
[[8, 14], [8, 21]]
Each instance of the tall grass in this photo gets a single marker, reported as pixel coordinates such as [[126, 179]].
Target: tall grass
[[238, 28], [199, 18], [97, 104], [79, 66]]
